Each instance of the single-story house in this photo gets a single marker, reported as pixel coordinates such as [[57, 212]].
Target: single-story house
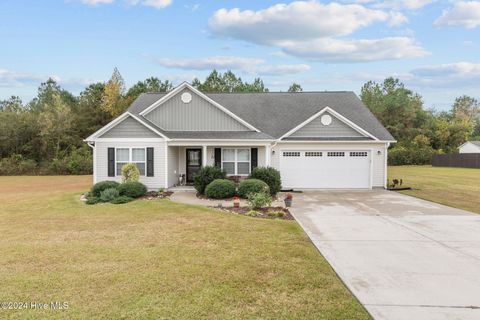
[[317, 140], [470, 147]]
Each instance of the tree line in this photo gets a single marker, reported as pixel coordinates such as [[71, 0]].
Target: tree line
[[45, 135]]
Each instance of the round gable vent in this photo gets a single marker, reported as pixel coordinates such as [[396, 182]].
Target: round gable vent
[[326, 120], [186, 97]]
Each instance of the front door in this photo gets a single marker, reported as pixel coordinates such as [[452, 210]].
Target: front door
[[194, 163]]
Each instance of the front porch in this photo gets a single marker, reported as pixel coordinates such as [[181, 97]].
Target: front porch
[[237, 158]]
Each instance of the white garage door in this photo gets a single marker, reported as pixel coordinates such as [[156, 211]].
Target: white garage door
[[330, 169]]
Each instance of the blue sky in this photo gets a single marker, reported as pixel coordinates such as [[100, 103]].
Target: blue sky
[[432, 46]]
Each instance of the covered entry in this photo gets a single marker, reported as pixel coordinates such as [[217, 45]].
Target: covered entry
[[326, 169]]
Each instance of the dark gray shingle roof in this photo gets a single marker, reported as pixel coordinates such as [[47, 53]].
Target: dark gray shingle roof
[[276, 113]]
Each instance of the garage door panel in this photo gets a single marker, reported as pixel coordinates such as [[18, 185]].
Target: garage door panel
[[324, 169]]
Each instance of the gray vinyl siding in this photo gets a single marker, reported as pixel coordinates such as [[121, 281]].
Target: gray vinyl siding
[[129, 128], [173, 171], [198, 115], [337, 128], [152, 183], [378, 160]]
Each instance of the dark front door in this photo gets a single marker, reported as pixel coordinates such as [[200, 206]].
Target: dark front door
[[194, 162]]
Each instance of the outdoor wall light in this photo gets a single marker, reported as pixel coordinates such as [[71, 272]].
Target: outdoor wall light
[[379, 152]]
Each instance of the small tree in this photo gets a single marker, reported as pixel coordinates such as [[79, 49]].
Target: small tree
[[130, 173]]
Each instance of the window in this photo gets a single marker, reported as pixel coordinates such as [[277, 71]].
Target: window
[[291, 154], [358, 154], [313, 154], [336, 154], [236, 161], [130, 155]]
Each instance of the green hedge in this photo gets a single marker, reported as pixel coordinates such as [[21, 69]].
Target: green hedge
[[220, 189], [205, 176], [249, 186], [133, 189], [103, 185], [270, 176]]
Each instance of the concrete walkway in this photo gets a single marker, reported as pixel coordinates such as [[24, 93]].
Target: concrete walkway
[[402, 257]]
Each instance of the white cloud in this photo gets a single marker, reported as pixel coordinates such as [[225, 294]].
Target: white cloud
[[216, 62], [404, 4], [247, 65], [297, 30], [157, 4], [297, 20], [10, 78], [462, 14], [450, 74], [96, 2], [362, 50]]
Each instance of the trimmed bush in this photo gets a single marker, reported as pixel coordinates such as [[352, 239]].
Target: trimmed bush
[[130, 173], [270, 176], [220, 189], [92, 200], [205, 176], [109, 194], [121, 199], [100, 186], [132, 189], [252, 186], [259, 200]]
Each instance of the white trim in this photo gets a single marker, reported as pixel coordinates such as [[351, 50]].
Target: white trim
[[130, 159], [337, 115], [119, 119], [204, 156], [94, 151], [184, 85], [385, 173], [129, 140], [217, 143], [166, 166], [267, 155], [467, 142], [235, 161]]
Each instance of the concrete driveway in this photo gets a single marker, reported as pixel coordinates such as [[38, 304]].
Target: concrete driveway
[[402, 257]]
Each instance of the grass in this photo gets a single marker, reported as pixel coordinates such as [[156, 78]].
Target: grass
[[156, 259], [455, 187]]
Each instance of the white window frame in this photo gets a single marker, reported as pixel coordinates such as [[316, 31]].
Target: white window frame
[[130, 160], [235, 161]]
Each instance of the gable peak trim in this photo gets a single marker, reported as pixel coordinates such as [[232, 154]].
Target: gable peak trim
[[186, 85], [336, 115], [117, 121]]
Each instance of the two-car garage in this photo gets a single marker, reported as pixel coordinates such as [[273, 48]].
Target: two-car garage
[[326, 169]]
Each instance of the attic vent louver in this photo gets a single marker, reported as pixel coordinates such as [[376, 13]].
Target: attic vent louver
[[186, 97]]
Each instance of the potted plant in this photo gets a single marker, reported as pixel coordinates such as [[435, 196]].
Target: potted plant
[[236, 202], [288, 200]]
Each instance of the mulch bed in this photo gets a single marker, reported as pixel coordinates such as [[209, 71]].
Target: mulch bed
[[263, 213], [153, 195]]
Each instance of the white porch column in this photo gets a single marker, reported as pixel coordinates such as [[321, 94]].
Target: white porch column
[[204, 155], [267, 155]]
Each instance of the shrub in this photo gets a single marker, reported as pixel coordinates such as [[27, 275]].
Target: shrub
[[205, 176], [121, 199], [130, 173], [92, 200], [270, 176], [109, 194], [276, 214], [252, 186], [16, 164], [77, 161], [411, 155], [220, 189], [259, 200], [252, 213], [100, 186], [132, 189]]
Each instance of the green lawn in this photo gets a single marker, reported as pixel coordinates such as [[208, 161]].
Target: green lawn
[[156, 259], [455, 187]]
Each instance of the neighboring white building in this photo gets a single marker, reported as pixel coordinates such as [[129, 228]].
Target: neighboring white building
[[470, 147], [317, 140]]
